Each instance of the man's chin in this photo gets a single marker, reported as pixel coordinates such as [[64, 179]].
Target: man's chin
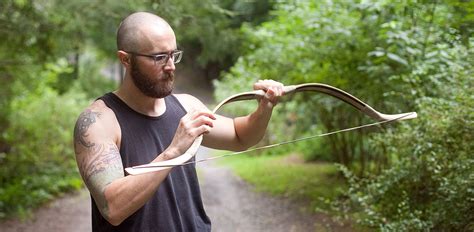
[[155, 89], [160, 93], [165, 93]]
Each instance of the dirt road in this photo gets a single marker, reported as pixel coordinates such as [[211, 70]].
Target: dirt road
[[233, 205]]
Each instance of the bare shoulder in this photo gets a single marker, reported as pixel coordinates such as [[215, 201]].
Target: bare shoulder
[[190, 103], [100, 107], [98, 118]]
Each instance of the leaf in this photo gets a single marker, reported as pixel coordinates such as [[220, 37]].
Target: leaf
[[397, 58], [376, 53]]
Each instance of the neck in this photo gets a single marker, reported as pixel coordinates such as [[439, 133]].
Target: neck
[[139, 102]]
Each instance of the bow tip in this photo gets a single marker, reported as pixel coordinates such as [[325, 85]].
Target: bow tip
[[411, 115]]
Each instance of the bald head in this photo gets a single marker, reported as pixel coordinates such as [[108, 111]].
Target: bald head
[[139, 29]]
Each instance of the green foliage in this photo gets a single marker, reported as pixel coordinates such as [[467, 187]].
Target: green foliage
[[208, 31], [37, 110], [21, 195], [40, 162], [40, 46], [91, 81], [430, 184], [397, 56]]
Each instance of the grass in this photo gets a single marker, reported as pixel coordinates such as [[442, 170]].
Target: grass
[[289, 176]]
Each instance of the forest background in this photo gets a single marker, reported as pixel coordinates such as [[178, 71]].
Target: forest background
[[398, 56]]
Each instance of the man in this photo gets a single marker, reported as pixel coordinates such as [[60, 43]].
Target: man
[[143, 122]]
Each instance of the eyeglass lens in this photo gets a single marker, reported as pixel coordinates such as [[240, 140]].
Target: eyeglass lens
[[175, 56]]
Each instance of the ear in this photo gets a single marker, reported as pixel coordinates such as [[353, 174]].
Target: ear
[[124, 58]]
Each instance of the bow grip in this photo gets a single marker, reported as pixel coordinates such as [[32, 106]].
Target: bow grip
[[286, 90]]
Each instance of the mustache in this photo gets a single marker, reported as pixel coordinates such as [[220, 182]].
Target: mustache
[[169, 76]]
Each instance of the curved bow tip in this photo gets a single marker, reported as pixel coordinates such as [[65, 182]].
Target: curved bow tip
[[397, 117], [412, 115]]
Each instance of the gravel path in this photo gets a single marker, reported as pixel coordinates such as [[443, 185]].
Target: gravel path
[[233, 205], [230, 202]]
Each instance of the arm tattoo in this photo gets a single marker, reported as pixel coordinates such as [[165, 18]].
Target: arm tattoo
[[106, 158], [86, 119], [99, 168], [99, 163]]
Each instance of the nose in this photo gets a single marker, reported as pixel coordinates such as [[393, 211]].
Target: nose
[[169, 65]]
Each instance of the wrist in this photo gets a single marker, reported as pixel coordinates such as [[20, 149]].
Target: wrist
[[169, 153], [261, 114], [264, 108]]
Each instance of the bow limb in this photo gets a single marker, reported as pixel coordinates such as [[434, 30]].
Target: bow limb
[[315, 87], [349, 99]]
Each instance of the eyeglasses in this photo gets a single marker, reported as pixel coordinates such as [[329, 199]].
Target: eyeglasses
[[162, 58]]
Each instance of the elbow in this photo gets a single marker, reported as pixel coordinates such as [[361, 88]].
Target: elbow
[[241, 147], [114, 218], [245, 147], [111, 214], [115, 222], [108, 213]]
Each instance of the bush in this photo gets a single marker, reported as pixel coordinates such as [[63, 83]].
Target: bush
[[40, 163], [430, 184]]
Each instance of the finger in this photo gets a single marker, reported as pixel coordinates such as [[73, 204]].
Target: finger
[[270, 96], [204, 129], [202, 120], [270, 93], [278, 90], [263, 84], [259, 85], [206, 113], [267, 83], [190, 115], [274, 95]]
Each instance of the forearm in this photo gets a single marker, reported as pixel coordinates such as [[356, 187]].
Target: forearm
[[128, 194], [243, 132], [125, 195], [251, 129]]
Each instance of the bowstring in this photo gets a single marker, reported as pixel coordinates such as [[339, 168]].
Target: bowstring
[[283, 143]]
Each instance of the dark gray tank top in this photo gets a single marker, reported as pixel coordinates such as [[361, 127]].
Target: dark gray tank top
[[177, 204]]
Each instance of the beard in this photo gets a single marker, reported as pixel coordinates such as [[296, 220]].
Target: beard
[[155, 87]]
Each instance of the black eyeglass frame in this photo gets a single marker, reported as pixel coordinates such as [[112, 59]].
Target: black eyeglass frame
[[162, 58]]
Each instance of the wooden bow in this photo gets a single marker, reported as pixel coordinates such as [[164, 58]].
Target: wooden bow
[[317, 87]]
